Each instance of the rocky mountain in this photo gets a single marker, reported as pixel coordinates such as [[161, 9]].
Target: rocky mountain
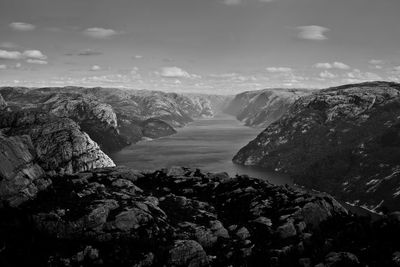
[[3, 104], [183, 217], [113, 117], [343, 140], [36, 144], [263, 107]]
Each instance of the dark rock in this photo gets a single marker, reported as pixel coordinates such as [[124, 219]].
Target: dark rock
[[187, 253]]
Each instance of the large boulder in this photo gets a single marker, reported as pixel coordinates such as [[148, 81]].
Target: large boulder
[[344, 140]]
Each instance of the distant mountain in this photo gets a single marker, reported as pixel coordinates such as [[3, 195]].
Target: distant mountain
[[114, 117], [262, 107], [343, 140]]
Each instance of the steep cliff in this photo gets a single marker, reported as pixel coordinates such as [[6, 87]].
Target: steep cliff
[[263, 107], [60, 145], [343, 140]]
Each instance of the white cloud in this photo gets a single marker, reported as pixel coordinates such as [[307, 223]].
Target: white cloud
[[232, 2], [327, 74], [340, 65], [279, 69], [266, 1], [95, 68], [34, 54], [137, 56], [4, 54], [397, 68], [312, 32], [334, 65], [36, 61], [3, 67], [100, 32], [376, 62], [22, 26], [175, 72], [358, 76]]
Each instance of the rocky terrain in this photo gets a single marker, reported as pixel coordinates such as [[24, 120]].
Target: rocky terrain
[[263, 107], [343, 140], [34, 144], [183, 217], [112, 117]]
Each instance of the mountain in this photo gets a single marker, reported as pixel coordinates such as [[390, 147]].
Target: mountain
[[113, 117], [343, 140], [263, 107]]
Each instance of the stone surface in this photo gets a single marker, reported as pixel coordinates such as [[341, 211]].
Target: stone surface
[[21, 178], [343, 140], [59, 144]]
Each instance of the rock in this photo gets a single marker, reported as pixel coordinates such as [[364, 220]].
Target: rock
[[396, 258], [60, 146], [287, 230], [243, 233], [21, 178], [336, 259], [187, 253], [3, 103], [342, 140]]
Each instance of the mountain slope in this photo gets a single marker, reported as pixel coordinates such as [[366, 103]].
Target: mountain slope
[[343, 140], [263, 107]]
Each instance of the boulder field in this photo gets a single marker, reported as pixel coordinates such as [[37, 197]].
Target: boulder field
[[183, 217]]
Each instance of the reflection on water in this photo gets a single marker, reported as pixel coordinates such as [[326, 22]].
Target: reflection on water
[[207, 144]]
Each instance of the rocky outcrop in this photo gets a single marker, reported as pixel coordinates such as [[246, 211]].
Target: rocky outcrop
[[343, 140], [263, 107], [59, 144], [3, 104], [21, 177], [183, 217]]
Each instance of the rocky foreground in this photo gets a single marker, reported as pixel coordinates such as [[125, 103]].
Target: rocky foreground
[[183, 217], [343, 140]]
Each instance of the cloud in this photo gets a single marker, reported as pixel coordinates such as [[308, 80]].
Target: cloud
[[34, 54], [397, 68], [312, 32], [22, 26], [232, 2], [95, 68], [358, 76], [376, 62], [334, 65], [327, 74], [137, 57], [4, 54], [89, 52], [3, 67], [266, 1], [37, 61], [175, 72], [279, 69], [100, 33]]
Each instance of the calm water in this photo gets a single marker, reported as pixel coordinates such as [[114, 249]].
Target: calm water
[[208, 144]]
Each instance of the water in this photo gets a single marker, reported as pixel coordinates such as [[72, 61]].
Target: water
[[208, 144]]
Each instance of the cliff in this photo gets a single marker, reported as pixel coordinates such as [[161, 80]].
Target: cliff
[[343, 140], [263, 107]]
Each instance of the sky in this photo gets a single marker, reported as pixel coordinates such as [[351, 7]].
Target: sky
[[202, 46]]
